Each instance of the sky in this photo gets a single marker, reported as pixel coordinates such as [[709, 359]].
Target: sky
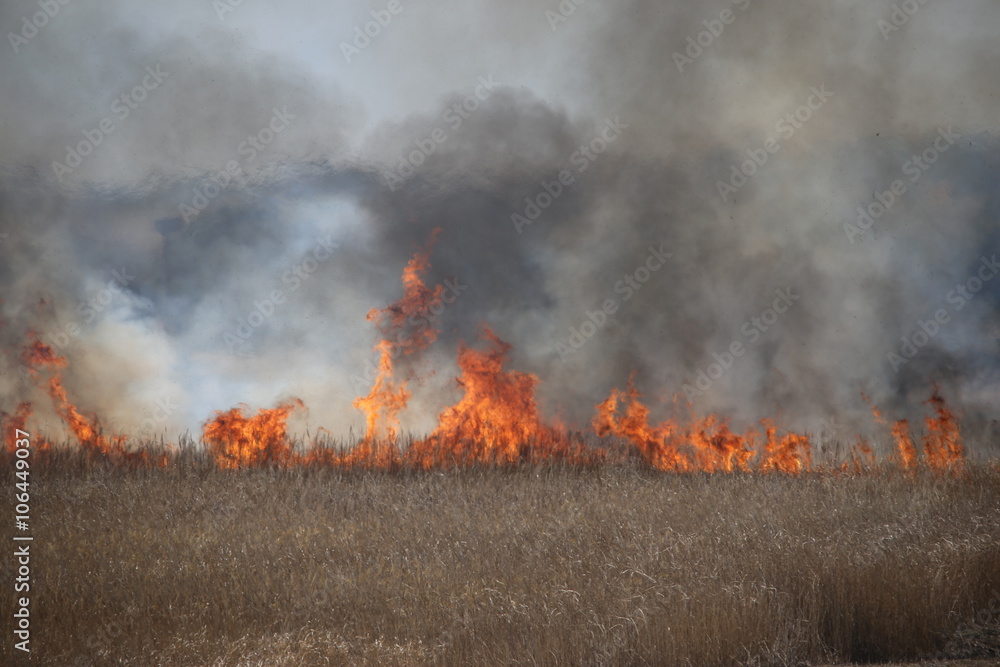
[[762, 209]]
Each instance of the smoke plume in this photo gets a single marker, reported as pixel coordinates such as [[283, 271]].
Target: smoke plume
[[759, 208]]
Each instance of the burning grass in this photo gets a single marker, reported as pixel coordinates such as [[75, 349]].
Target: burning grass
[[496, 421], [539, 564], [499, 537]]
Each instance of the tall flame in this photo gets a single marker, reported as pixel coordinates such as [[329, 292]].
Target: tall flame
[[496, 420], [402, 329], [942, 442], [906, 450], [40, 358]]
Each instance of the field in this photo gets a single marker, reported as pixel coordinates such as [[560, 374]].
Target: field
[[617, 565]]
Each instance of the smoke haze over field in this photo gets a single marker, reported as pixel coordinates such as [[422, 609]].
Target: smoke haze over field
[[144, 266]]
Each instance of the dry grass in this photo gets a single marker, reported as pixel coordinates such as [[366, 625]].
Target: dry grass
[[195, 566]]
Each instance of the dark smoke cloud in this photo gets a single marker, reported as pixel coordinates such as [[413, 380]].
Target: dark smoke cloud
[[331, 179]]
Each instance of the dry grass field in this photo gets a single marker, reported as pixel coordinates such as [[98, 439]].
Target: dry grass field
[[191, 565]]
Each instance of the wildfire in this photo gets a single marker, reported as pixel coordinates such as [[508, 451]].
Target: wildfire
[[237, 441], [706, 444], [40, 358], [942, 443], [496, 421], [905, 449], [404, 329]]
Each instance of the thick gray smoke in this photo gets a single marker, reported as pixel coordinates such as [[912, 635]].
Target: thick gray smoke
[[762, 208]]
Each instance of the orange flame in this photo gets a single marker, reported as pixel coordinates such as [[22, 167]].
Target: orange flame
[[387, 397], [789, 453], [39, 356], [496, 420], [942, 443], [237, 441], [654, 445], [906, 450]]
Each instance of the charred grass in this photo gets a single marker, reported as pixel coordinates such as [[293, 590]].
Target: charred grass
[[618, 565]]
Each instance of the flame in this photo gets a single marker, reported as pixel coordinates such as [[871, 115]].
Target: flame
[[788, 453], [942, 443], [37, 357], [496, 421], [906, 451], [400, 321], [706, 444], [237, 441], [40, 357], [655, 446]]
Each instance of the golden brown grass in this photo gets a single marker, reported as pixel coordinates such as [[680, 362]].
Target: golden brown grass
[[621, 566]]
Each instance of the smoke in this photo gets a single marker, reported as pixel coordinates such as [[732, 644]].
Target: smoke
[[670, 189]]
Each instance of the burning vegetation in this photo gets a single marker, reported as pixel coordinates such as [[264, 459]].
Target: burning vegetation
[[495, 422]]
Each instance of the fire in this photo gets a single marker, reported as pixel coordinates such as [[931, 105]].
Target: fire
[[718, 449], [402, 329], [632, 424], [496, 421], [788, 453], [942, 442], [237, 441], [706, 444], [39, 358], [906, 451]]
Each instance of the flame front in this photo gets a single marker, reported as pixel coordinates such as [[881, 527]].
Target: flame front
[[706, 444], [496, 421]]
